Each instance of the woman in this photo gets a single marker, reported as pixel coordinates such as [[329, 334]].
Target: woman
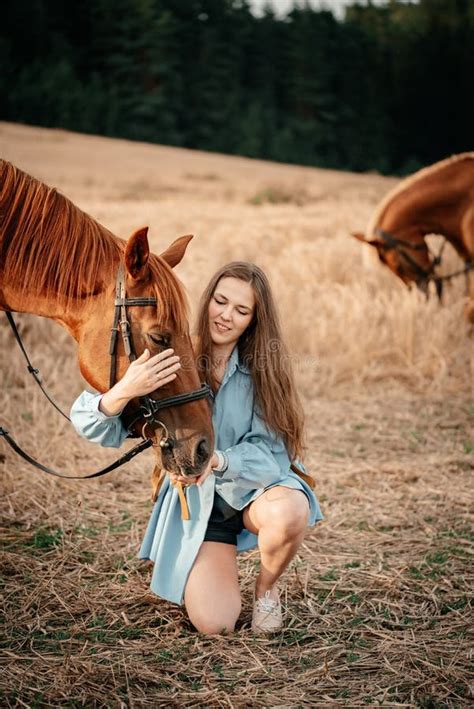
[[248, 494]]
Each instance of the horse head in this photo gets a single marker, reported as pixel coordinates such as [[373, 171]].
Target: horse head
[[405, 254], [156, 318]]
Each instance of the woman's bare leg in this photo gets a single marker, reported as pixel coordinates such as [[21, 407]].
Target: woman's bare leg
[[280, 518], [212, 594]]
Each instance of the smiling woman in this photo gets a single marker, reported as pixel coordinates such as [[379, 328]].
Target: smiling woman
[[231, 308], [248, 494]]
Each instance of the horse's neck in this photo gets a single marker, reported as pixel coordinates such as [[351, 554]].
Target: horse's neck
[[414, 206], [431, 205], [54, 259], [69, 315]]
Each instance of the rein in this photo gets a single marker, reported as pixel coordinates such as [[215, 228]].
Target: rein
[[148, 409], [32, 370], [29, 459], [423, 276]]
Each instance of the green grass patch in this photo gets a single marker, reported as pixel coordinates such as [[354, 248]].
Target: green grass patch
[[131, 633], [464, 532], [438, 557], [85, 531], [457, 605], [123, 525], [430, 702], [352, 657], [358, 620], [331, 575], [217, 669], [47, 538], [294, 637]]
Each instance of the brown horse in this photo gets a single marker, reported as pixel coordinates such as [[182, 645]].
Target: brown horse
[[58, 262], [436, 200]]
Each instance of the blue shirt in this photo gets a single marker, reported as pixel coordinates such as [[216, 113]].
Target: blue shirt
[[258, 459]]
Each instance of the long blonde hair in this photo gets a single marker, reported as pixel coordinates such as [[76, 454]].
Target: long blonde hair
[[263, 352]]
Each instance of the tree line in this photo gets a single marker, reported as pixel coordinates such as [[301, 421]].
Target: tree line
[[383, 88]]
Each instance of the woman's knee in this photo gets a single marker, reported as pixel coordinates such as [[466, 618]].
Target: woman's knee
[[211, 621], [286, 513], [212, 593]]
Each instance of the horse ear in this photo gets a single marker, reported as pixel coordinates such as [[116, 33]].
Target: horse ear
[[137, 252], [175, 251], [361, 237]]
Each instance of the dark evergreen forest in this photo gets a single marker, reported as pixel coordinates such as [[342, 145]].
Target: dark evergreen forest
[[385, 88]]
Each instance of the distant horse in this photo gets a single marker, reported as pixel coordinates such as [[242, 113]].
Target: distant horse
[[436, 200], [58, 262]]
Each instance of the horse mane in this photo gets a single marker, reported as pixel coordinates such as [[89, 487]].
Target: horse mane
[[169, 293], [55, 250], [408, 182]]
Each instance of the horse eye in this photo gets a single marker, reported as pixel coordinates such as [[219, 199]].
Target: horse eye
[[159, 340]]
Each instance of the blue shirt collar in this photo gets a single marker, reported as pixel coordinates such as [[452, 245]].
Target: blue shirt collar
[[234, 364]]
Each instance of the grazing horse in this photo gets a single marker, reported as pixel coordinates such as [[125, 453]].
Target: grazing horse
[[58, 262], [436, 200]]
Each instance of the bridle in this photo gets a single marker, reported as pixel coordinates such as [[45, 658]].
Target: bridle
[[148, 408], [424, 277]]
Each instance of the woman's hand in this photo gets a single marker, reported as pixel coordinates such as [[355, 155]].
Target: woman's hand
[[199, 479], [147, 373], [143, 376]]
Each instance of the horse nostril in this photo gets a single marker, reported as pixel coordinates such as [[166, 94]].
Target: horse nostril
[[202, 452]]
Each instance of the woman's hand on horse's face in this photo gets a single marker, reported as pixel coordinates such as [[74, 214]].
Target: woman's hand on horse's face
[[148, 373], [143, 376]]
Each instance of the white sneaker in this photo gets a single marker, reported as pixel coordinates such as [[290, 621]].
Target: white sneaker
[[267, 615]]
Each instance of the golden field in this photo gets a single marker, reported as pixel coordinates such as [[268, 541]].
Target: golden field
[[379, 598]]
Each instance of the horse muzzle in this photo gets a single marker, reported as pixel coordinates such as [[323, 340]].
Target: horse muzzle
[[188, 458]]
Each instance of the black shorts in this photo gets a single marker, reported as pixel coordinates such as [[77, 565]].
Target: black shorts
[[225, 523]]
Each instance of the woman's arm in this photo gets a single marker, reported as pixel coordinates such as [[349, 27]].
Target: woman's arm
[[97, 416], [91, 423], [258, 460]]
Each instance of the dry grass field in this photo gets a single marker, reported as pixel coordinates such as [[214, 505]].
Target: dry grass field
[[379, 600]]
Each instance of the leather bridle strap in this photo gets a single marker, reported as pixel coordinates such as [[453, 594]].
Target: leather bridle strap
[[422, 275], [120, 316], [393, 241], [150, 407], [178, 399], [124, 459]]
